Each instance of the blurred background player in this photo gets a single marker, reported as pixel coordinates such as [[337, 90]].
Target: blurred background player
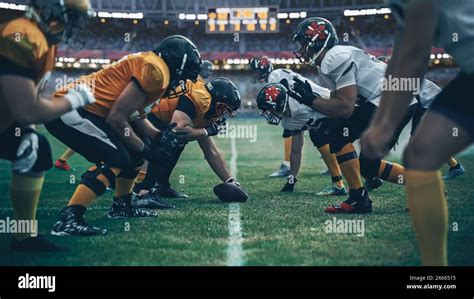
[[201, 113], [429, 92], [261, 68], [27, 53], [106, 132], [448, 126]]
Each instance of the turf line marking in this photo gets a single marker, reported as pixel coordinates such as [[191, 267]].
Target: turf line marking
[[235, 254]]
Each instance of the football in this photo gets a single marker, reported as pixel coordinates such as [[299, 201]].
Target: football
[[227, 192]]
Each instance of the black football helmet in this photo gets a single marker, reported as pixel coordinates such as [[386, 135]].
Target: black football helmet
[[207, 69], [262, 67], [314, 35], [62, 20], [225, 98], [272, 101], [183, 60]]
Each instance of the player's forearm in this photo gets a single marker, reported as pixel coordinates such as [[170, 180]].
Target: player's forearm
[[42, 110], [333, 107], [218, 165], [193, 133], [145, 128], [126, 134]]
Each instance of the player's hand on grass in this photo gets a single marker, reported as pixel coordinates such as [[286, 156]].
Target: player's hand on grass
[[302, 92], [27, 152], [375, 140], [290, 184], [216, 128], [79, 96]]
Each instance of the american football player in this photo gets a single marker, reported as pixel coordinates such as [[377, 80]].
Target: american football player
[[429, 92], [106, 133], [448, 126], [357, 80], [264, 72], [206, 71], [27, 53], [277, 107], [201, 113]]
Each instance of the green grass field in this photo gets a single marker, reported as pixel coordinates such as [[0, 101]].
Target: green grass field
[[277, 229]]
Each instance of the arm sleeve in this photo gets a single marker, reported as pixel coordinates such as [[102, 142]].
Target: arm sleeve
[[186, 105]]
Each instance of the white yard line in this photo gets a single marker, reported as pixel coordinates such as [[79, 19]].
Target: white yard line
[[235, 254]]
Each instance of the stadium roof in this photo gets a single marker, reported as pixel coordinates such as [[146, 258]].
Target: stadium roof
[[171, 8]]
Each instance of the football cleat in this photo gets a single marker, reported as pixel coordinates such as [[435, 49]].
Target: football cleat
[[373, 184], [62, 164], [151, 200], [454, 172], [72, 223], [332, 190], [122, 208], [357, 203], [169, 191], [38, 243], [283, 171]]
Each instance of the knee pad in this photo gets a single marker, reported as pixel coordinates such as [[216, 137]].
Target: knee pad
[[89, 178], [44, 161], [369, 168]]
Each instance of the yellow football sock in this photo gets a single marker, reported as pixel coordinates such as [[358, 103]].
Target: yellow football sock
[[25, 192], [123, 186], [350, 166], [67, 155], [452, 162], [392, 172], [429, 215], [287, 148], [331, 163]]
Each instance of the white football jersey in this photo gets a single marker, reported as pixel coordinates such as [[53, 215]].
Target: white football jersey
[[302, 117], [346, 65], [278, 75], [455, 29], [429, 91]]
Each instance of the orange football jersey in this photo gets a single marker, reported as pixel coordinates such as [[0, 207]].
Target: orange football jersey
[[147, 68], [24, 44], [198, 95]]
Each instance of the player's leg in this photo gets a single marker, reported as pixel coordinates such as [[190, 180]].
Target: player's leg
[[447, 128], [455, 169], [320, 140], [346, 155], [62, 162], [432, 144], [26, 183], [284, 169]]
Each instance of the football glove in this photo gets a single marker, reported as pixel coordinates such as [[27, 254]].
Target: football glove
[[27, 152], [302, 92], [216, 128], [290, 184], [79, 96], [232, 180], [172, 139]]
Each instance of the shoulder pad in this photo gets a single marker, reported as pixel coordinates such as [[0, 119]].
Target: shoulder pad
[[336, 58]]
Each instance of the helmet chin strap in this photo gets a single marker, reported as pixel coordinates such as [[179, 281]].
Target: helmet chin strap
[[312, 60]]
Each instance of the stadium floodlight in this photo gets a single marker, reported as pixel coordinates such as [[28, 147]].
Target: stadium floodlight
[[303, 14], [294, 15], [12, 6], [282, 15], [367, 12], [182, 16], [202, 16], [190, 17], [120, 15]]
